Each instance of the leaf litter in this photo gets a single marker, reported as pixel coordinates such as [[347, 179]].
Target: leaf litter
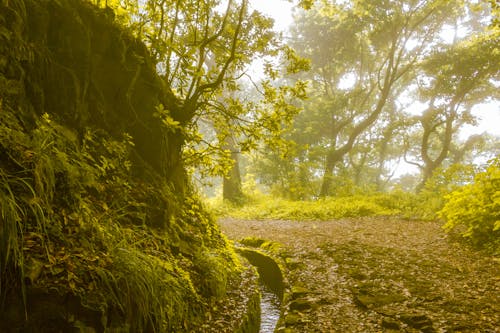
[[382, 275]]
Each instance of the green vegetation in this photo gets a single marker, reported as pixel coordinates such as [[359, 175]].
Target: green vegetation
[[349, 201], [95, 232], [111, 111], [268, 207], [474, 209], [74, 221], [387, 84], [474, 206], [463, 196]]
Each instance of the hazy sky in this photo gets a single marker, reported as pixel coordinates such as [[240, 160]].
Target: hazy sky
[[279, 10]]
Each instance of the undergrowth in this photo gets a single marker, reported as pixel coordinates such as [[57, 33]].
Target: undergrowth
[[267, 207], [474, 209], [82, 215], [351, 201], [422, 206], [74, 220]]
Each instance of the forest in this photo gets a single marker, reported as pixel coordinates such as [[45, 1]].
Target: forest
[[189, 166]]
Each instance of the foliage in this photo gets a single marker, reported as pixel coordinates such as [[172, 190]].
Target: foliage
[[83, 212], [350, 200], [268, 207], [427, 202], [76, 211], [474, 209], [363, 57], [202, 50], [452, 80], [372, 62]]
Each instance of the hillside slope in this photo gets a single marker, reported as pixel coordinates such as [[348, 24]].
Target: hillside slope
[[99, 229]]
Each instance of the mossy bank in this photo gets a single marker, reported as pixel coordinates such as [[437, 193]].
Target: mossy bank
[[99, 228]]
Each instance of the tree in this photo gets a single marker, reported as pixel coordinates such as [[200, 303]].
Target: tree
[[201, 48], [363, 55], [451, 82]]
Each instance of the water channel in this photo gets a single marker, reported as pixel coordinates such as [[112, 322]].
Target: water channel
[[269, 309], [271, 287]]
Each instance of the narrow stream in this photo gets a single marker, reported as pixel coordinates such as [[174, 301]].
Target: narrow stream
[[269, 309]]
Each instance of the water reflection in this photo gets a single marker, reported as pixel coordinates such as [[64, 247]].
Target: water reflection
[[270, 310]]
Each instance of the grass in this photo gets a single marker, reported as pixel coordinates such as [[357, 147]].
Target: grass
[[127, 248], [267, 207]]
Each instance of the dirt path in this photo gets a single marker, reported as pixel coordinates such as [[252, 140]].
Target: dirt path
[[383, 275]]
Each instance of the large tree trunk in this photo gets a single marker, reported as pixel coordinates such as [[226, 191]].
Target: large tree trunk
[[336, 154], [381, 164], [430, 165], [331, 160], [231, 187]]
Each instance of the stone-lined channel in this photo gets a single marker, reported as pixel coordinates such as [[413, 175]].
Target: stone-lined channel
[[271, 288]]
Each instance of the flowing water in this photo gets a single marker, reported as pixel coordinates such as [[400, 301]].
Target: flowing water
[[269, 308]]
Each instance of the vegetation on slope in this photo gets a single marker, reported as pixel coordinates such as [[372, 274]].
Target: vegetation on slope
[[91, 232]]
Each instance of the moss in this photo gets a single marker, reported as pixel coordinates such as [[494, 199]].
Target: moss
[[252, 241], [251, 320], [93, 221], [269, 270], [213, 274]]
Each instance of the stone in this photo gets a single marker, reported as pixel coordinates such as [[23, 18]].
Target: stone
[[300, 304], [292, 319], [293, 263], [390, 323], [370, 300], [298, 292], [419, 321]]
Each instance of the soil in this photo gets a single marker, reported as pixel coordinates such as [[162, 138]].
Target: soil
[[381, 275]]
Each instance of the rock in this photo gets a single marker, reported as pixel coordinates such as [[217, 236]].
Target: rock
[[419, 321], [292, 319], [298, 292], [252, 241], [293, 263], [325, 301], [428, 329], [301, 304], [364, 301], [390, 323], [375, 299]]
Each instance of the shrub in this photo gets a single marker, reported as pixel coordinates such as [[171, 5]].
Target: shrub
[[431, 198], [474, 209]]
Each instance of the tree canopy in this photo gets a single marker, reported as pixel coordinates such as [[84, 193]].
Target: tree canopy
[[371, 61]]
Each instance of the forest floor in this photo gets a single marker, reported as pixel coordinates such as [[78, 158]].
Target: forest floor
[[383, 275]]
